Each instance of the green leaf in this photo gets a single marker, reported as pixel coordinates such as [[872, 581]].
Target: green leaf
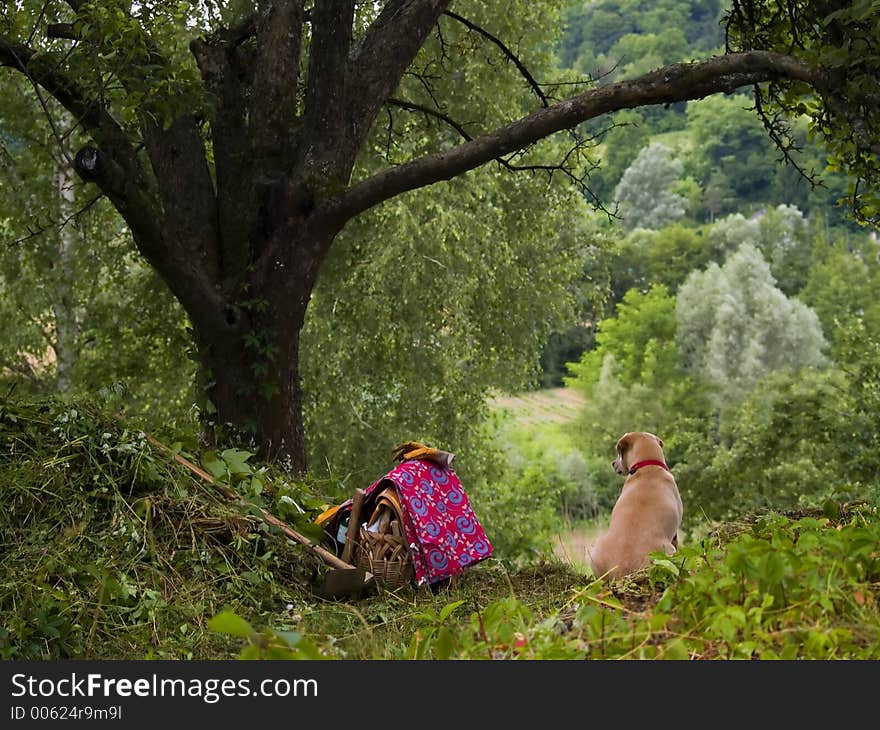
[[251, 577], [231, 624], [213, 464], [675, 650], [236, 461], [308, 650], [444, 643], [251, 651], [291, 638], [447, 610]]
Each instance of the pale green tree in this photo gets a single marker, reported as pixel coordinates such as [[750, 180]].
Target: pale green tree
[[735, 325], [645, 189], [783, 236]]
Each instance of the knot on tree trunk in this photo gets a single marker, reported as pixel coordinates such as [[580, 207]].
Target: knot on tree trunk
[[88, 163]]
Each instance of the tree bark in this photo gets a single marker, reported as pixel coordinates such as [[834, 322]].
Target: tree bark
[[63, 299], [252, 365], [64, 307], [256, 395]]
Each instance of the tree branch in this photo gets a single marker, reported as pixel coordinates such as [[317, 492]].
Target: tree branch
[[58, 225], [511, 56], [324, 127], [278, 26], [428, 111], [382, 56], [670, 84], [126, 186], [173, 141], [777, 130], [563, 167], [113, 166], [550, 169], [186, 277], [94, 117]]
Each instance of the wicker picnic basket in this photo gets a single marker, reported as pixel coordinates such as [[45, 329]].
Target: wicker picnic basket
[[381, 547]]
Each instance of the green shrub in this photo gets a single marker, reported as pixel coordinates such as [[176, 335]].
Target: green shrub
[[112, 551], [779, 589], [800, 437]]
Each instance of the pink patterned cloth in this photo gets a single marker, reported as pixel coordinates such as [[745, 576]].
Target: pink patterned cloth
[[443, 533]]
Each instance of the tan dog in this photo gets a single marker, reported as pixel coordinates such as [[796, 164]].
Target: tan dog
[[647, 514]]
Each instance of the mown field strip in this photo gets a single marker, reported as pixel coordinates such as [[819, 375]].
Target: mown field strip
[[554, 405]]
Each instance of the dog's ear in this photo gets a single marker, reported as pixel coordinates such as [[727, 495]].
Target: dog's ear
[[623, 443], [660, 441]]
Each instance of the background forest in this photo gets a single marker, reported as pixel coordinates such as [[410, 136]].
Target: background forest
[[693, 284]]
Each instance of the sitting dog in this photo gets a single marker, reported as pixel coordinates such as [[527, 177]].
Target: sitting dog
[[647, 514]]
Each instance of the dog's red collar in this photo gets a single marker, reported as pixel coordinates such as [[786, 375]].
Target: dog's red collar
[[648, 462]]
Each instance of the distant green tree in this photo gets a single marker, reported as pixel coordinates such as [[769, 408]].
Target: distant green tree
[[665, 256], [735, 325], [620, 146], [594, 28], [781, 234], [633, 382], [640, 338], [636, 54], [562, 348], [644, 191], [787, 244], [731, 142], [719, 195], [842, 287], [802, 436], [776, 449]]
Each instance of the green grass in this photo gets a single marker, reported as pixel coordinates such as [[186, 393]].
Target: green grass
[[112, 551]]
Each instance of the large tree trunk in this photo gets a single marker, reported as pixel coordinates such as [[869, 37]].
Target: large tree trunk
[[251, 369], [254, 390]]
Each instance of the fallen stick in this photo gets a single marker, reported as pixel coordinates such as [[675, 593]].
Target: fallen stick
[[322, 553]]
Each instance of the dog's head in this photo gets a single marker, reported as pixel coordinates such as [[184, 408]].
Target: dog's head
[[636, 446]]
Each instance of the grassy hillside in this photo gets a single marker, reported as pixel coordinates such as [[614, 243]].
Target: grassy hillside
[[109, 549]]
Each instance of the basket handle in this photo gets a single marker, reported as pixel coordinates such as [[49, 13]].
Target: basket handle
[[353, 521]]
